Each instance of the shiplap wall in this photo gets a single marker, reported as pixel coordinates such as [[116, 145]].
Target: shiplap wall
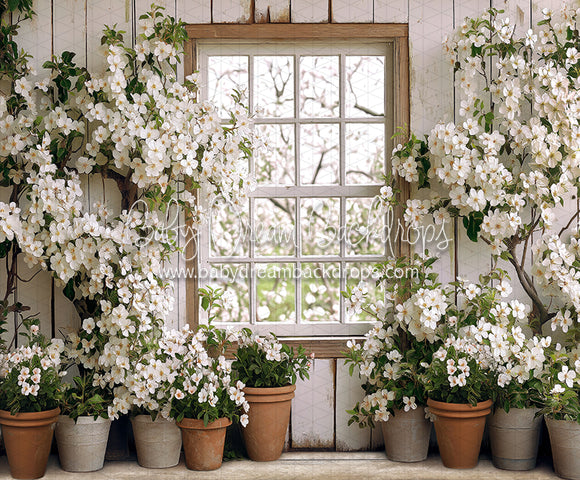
[[318, 418]]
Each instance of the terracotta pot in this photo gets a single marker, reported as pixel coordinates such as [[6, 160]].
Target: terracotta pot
[[459, 428], [158, 442], [269, 417], [515, 437], [406, 436], [27, 438], [203, 445], [565, 440], [82, 445]]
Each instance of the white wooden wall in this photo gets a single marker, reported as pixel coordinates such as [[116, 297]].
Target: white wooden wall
[[318, 419]]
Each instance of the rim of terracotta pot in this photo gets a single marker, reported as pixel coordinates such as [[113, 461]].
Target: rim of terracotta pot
[[459, 410], [197, 424], [46, 417], [269, 394]]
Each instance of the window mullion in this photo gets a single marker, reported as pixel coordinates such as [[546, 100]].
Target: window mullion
[[251, 266], [298, 181], [251, 83]]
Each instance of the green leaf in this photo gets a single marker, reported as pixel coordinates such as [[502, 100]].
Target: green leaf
[[69, 290]]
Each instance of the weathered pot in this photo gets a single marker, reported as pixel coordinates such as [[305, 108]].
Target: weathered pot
[[158, 442], [565, 440], [27, 439], [203, 445], [269, 417], [459, 428], [406, 436], [515, 437], [82, 445]]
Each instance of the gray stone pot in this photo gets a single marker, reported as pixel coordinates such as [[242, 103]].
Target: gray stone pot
[[82, 445], [565, 440], [407, 435], [514, 437], [158, 442]]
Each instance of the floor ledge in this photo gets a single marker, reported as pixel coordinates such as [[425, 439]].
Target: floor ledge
[[303, 465]]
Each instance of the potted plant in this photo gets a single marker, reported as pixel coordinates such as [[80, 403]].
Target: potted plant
[[82, 430], [394, 354], [458, 381], [269, 370], [561, 397], [517, 365], [157, 437], [30, 378]]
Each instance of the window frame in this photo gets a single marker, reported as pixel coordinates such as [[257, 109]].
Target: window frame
[[395, 34]]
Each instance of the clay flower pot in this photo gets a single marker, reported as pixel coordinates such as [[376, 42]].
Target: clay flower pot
[[203, 445], [269, 417], [565, 440], [82, 445], [158, 442], [515, 437], [406, 436], [459, 428], [27, 438]]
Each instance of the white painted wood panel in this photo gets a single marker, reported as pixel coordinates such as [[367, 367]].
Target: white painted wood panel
[[313, 408], [348, 393], [518, 12], [231, 11], [352, 11], [194, 11], [391, 11], [144, 6], [309, 11], [272, 11], [35, 294], [70, 29], [35, 36]]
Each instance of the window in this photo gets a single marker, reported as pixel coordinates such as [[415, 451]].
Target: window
[[327, 110]]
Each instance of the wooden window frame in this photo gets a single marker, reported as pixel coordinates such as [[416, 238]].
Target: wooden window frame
[[322, 347]]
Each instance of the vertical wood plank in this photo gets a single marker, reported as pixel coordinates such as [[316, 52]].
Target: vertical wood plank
[[391, 11], [273, 11], [518, 11], [35, 36], [348, 392], [144, 6], [232, 11], [99, 14], [309, 11], [194, 11], [313, 408], [352, 11], [70, 29], [35, 294]]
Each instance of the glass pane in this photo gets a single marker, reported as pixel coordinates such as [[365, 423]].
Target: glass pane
[[275, 164], [276, 293], [229, 232], [365, 86], [319, 83], [319, 154], [365, 153], [365, 226], [274, 87], [355, 273], [320, 292], [275, 226], [320, 223], [234, 279], [226, 74]]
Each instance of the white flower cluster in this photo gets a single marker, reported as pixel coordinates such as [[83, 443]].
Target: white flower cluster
[[422, 313], [268, 344]]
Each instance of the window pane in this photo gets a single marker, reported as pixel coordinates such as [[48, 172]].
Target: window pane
[[364, 227], [319, 154], [275, 164], [365, 153], [320, 223], [234, 279], [319, 95], [355, 273], [274, 86], [365, 86], [276, 293], [229, 233], [274, 227], [320, 292], [226, 74]]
